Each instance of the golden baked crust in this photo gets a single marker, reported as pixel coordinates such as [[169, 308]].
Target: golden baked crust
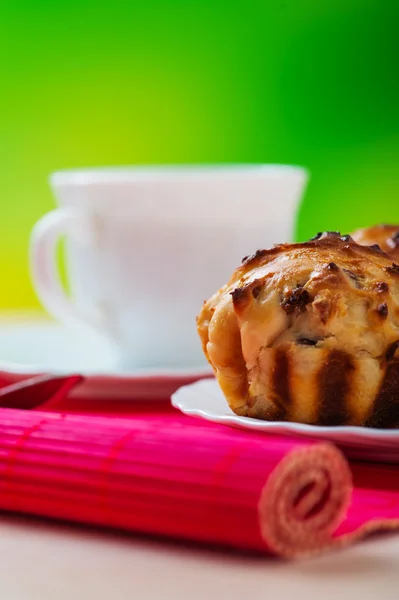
[[308, 333], [385, 236]]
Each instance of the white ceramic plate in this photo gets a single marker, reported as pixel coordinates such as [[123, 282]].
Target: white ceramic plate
[[204, 399], [29, 346]]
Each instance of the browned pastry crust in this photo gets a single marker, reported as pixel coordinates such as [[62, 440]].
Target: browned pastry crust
[[308, 333], [385, 236]]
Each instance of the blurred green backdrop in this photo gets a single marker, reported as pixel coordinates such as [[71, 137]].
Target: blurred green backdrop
[[312, 82]]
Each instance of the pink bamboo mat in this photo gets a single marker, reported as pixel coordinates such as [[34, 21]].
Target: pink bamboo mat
[[144, 467]]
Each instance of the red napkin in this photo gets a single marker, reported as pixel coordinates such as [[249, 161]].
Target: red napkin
[[158, 472]]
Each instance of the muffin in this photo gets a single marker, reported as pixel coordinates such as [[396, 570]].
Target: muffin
[[308, 333], [385, 236]]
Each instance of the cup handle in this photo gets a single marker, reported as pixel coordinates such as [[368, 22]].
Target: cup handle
[[43, 265]]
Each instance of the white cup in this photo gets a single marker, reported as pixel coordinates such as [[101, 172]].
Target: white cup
[[147, 245]]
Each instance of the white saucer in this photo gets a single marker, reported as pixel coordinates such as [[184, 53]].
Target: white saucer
[[31, 345], [204, 399]]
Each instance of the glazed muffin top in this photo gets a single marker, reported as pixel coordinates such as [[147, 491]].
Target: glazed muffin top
[[329, 294], [386, 236]]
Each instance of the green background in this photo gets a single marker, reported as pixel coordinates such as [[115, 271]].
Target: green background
[[311, 82]]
